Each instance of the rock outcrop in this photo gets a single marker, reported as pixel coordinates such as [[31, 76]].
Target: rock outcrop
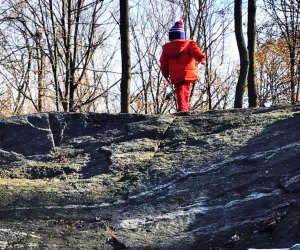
[[214, 180]]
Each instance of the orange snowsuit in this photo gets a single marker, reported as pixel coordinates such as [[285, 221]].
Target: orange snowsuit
[[179, 63]]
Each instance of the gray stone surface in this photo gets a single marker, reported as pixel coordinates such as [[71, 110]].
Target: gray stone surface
[[214, 180], [27, 135]]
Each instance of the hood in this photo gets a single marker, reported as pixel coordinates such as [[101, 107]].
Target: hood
[[172, 49]]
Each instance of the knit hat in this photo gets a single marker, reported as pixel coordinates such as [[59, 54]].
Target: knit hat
[[177, 31]]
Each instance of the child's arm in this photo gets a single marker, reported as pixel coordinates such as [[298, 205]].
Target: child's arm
[[196, 52], [164, 65]]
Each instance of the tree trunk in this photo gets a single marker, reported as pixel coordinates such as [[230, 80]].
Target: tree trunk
[[125, 54], [243, 52], [252, 92], [41, 82], [292, 70], [68, 57]]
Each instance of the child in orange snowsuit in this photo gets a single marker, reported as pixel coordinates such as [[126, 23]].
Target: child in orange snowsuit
[[178, 64]]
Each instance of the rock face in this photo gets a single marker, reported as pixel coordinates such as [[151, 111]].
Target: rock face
[[215, 180]]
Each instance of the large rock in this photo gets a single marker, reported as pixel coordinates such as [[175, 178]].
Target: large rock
[[214, 180], [27, 135]]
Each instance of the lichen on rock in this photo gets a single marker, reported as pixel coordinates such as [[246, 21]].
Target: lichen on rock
[[213, 180]]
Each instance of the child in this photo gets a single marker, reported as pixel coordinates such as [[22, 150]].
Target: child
[[179, 63]]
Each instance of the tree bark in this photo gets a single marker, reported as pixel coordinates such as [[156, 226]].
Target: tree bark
[[40, 57], [125, 54], [252, 92], [243, 52]]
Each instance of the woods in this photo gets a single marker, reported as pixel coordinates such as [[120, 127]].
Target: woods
[[102, 56]]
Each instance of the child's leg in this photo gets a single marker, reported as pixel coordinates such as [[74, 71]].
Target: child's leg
[[187, 87], [182, 91]]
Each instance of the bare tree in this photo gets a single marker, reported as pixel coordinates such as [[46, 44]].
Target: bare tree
[[16, 65], [273, 73], [149, 87], [125, 53], [41, 61], [252, 92], [63, 37], [243, 52], [207, 22], [286, 15]]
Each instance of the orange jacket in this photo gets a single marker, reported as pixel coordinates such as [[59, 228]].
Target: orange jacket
[[179, 58]]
